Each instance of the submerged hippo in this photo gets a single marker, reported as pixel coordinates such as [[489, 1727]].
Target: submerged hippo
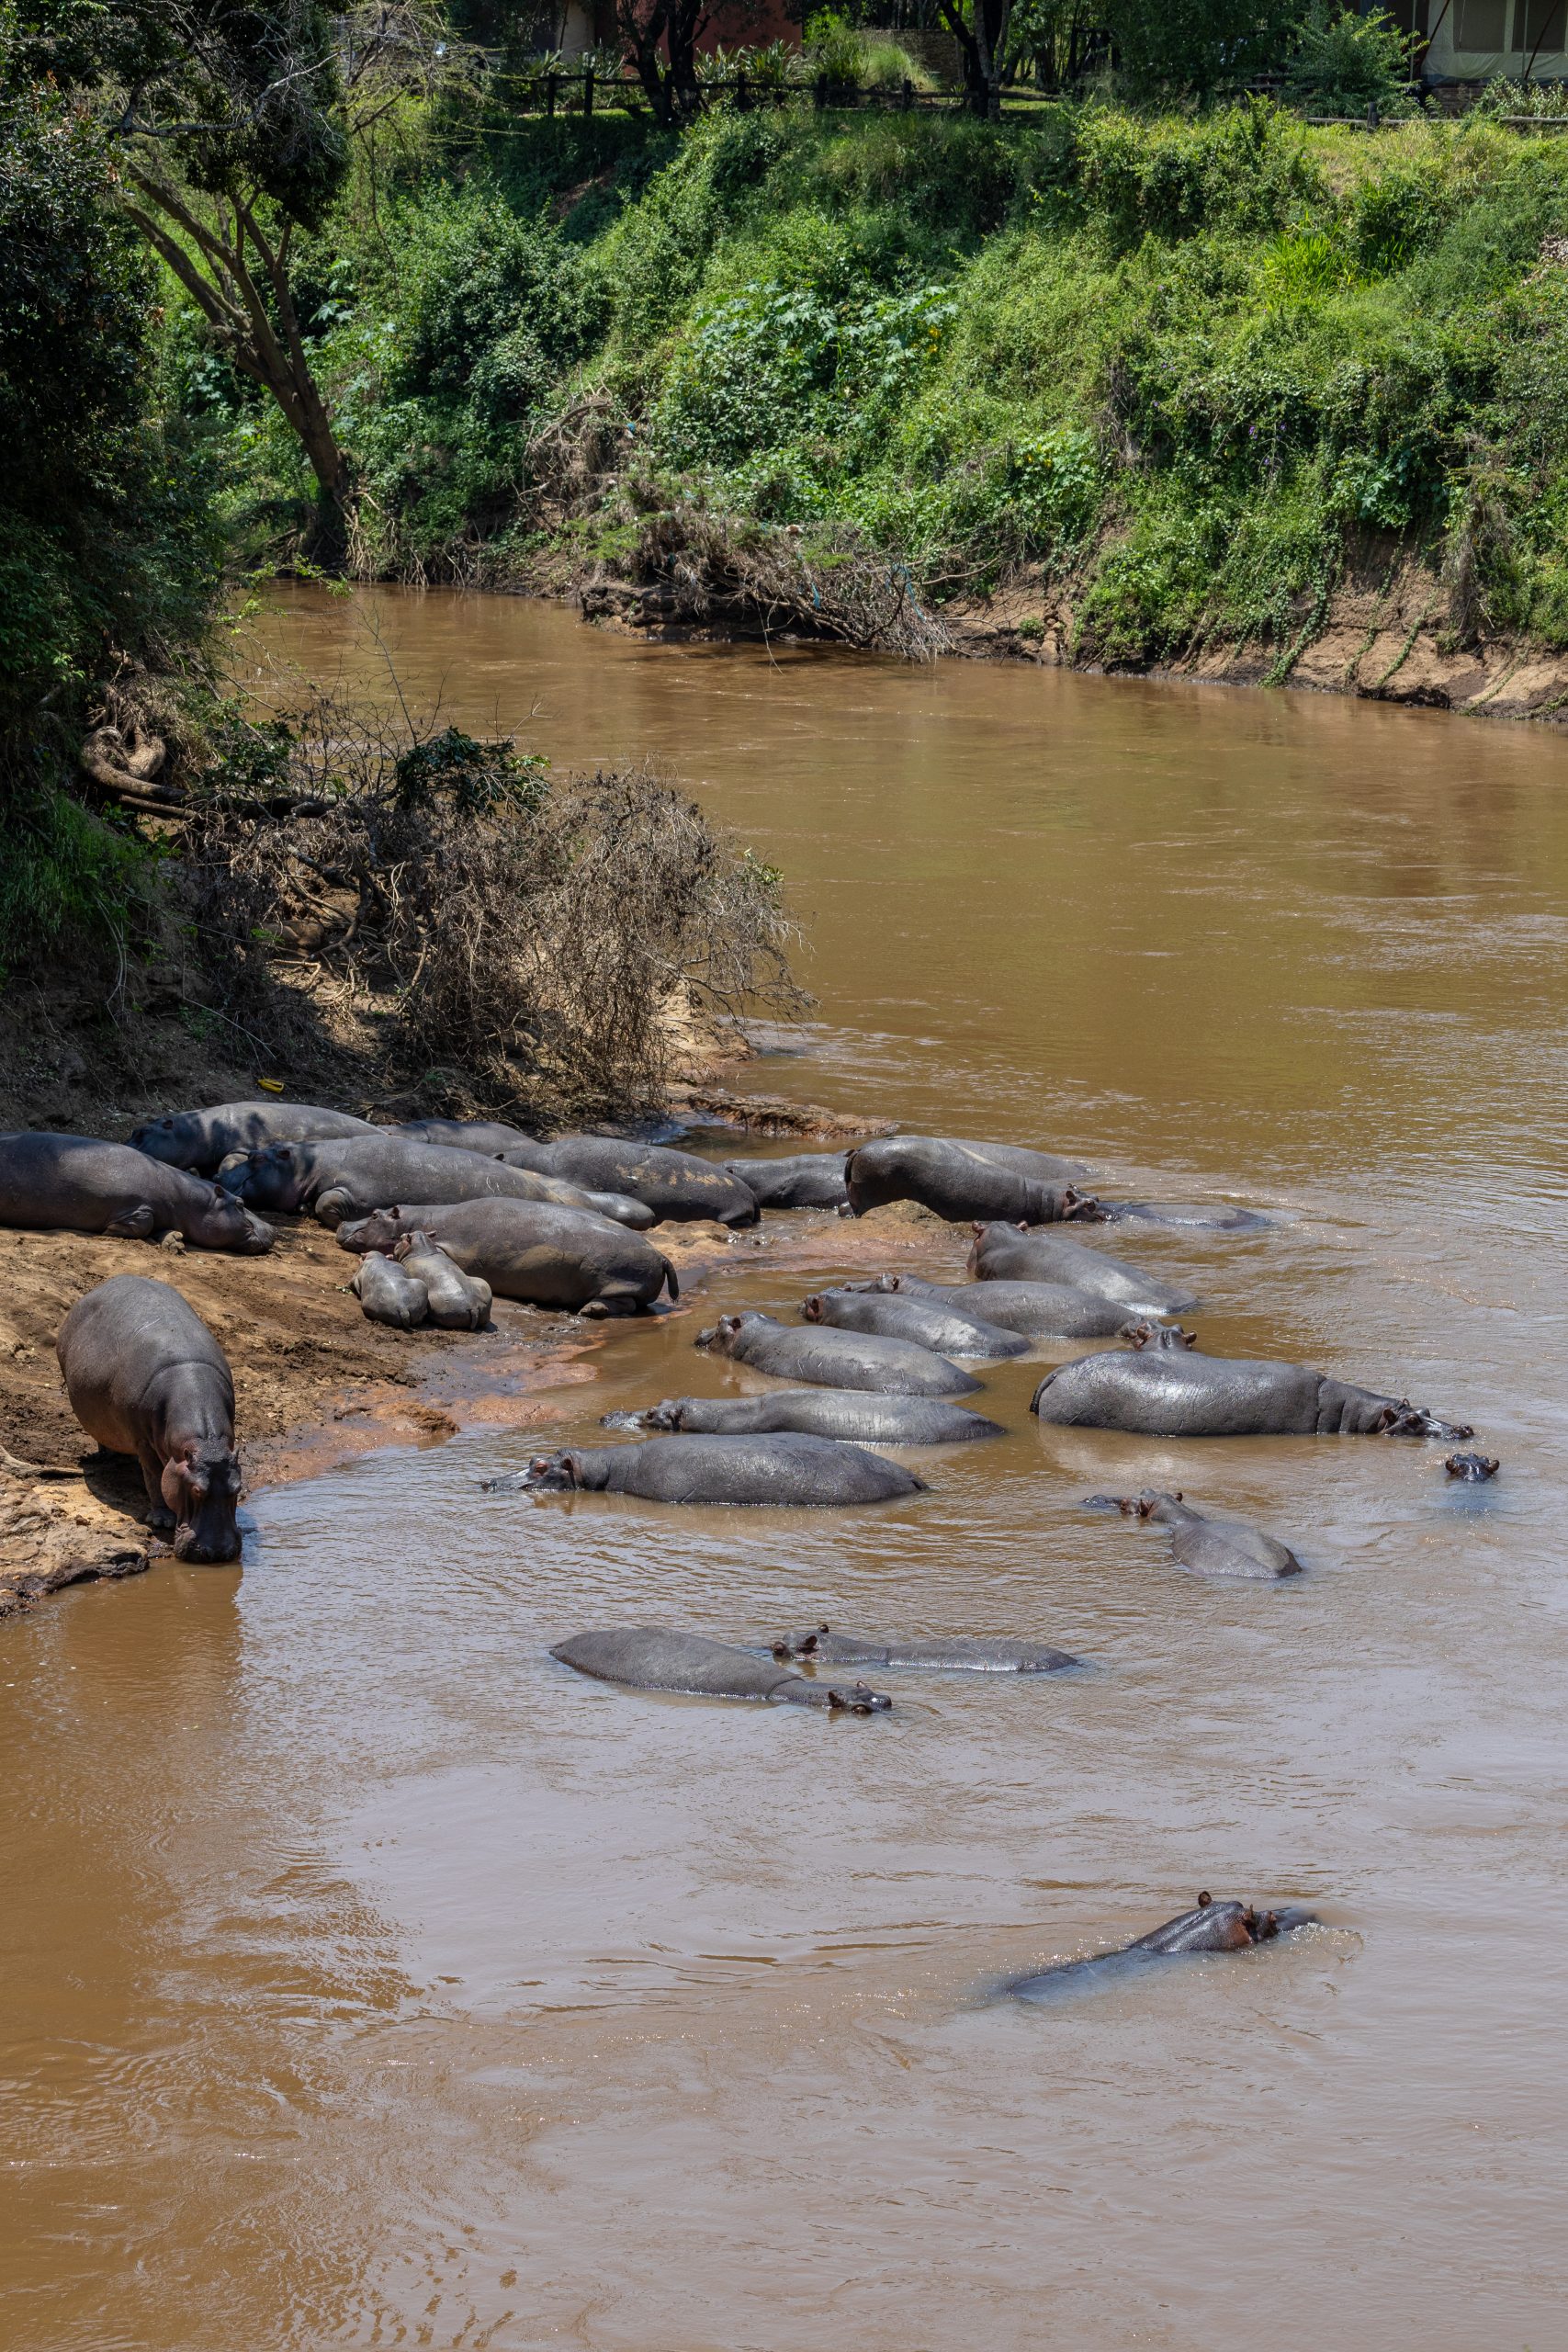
[[532, 1251], [805, 1180], [676, 1185], [349, 1176], [390, 1294], [836, 1359], [959, 1180], [951, 1654], [863, 1417], [456, 1301], [787, 1467], [1473, 1469], [204, 1139], [1205, 1546], [1006, 1253], [1209, 1926], [146, 1376], [892, 1315], [1187, 1217], [1034, 1310], [49, 1183], [1171, 1390], [645, 1658]]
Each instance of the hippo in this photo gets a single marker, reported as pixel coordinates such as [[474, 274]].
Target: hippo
[[1187, 1216], [807, 1180], [955, 1654], [493, 1137], [836, 1359], [1472, 1469], [787, 1467], [54, 1181], [676, 1185], [1205, 1546], [958, 1180], [866, 1419], [889, 1317], [146, 1376], [531, 1251], [1208, 1927], [201, 1139], [1034, 1310], [351, 1176], [1172, 1390], [389, 1293], [1009, 1253], [645, 1658], [457, 1301]]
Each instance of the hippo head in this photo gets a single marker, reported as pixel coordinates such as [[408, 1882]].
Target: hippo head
[[233, 1174], [1082, 1208], [201, 1486], [722, 1336], [382, 1230], [223, 1222], [1157, 1335], [667, 1415], [1406, 1419], [1472, 1467], [275, 1177], [801, 1645], [163, 1139], [812, 1308], [553, 1473], [858, 1700]]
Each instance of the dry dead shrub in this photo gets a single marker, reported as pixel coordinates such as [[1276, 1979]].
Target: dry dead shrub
[[441, 909]]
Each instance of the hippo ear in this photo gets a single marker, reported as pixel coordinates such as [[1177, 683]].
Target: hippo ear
[[1204, 1900]]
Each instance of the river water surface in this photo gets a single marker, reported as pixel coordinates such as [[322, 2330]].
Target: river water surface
[[370, 1980]]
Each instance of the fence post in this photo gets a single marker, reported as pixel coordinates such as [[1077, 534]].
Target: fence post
[[1371, 114], [550, 81], [906, 95], [821, 91], [742, 96], [588, 89]]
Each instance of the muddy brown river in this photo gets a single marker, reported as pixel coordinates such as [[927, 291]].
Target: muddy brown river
[[371, 1981]]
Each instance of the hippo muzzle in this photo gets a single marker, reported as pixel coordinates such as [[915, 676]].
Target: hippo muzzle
[[202, 1490]]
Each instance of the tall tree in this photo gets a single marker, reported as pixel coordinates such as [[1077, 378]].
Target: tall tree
[[980, 27]]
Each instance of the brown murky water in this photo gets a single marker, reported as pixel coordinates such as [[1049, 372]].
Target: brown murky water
[[371, 1981]]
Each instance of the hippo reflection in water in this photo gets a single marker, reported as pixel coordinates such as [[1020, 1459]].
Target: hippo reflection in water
[[1210, 1927]]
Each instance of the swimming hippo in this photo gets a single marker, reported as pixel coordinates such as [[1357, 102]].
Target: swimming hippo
[[201, 1139], [966, 1179], [1034, 1310], [645, 1658], [146, 1376], [1169, 1390], [1209, 1926], [784, 1468], [836, 1359], [1472, 1469], [676, 1185], [1187, 1217], [1007, 1253], [390, 1294], [892, 1316], [351, 1176], [805, 1180], [1205, 1546], [49, 1183], [864, 1418], [490, 1136], [457, 1301], [953, 1654], [532, 1251]]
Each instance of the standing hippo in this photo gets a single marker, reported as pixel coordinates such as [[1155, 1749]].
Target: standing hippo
[[1205, 1546], [1171, 1391], [787, 1469], [490, 1136], [836, 1359], [675, 1185], [951, 1654], [1209, 1926], [532, 1251], [863, 1417], [1007, 1253], [644, 1658], [390, 1294], [75, 1182], [1034, 1310], [891, 1317], [958, 1181], [805, 1180], [457, 1301], [337, 1179], [203, 1139], [146, 1376]]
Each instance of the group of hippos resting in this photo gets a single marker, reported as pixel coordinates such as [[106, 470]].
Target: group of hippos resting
[[445, 1216]]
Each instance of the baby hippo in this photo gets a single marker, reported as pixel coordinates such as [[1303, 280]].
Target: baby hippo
[[890, 1315], [1209, 1926], [787, 1469], [458, 1302], [1205, 1546], [954, 1654], [389, 1294], [645, 1658]]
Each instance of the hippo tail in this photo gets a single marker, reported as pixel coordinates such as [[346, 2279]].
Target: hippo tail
[[671, 1278]]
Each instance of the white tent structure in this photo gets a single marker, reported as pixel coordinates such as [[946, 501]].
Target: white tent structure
[[1476, 40]]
